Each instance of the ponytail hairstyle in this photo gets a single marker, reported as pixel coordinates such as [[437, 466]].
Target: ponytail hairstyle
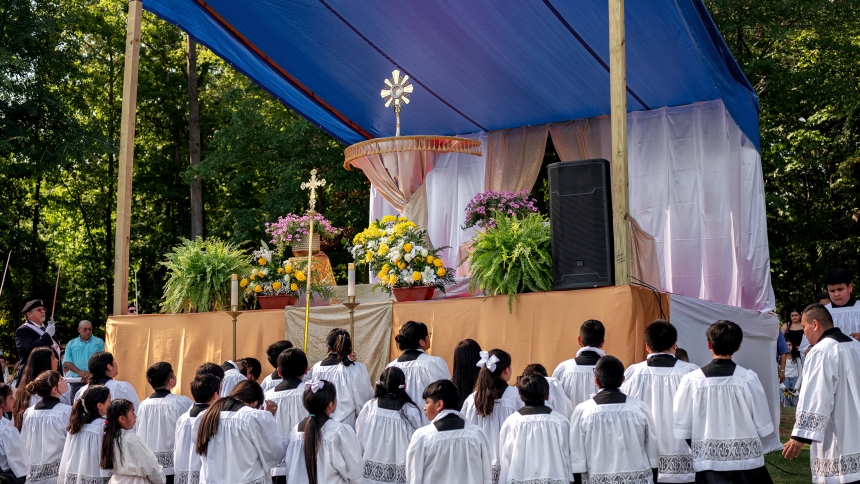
[[316, 403], [392, 383], [98, 364], [44, 383], [339, 341], [40, 360], [246, 392], [410, 335], [112, 431], [465, 374], [85, 410], [490, 385]]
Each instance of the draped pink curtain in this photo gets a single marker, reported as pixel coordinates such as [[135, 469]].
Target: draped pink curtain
[[514, 158]]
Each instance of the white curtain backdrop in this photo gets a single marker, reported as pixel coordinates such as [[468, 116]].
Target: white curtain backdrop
[[758, 351]]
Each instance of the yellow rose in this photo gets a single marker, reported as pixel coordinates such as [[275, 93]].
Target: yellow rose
[[243, 282], [300, 276], [407, 247], [438, 262], [288, 269], [253, 277], [294, 287], [402, 265], [276, 285], [430, 259], [441, 272], [262, 261], [280, 270], [258, 289], [392, 280], [416, 276]]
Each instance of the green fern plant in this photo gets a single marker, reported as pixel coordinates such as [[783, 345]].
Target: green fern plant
[[513, 257], [199, 275]]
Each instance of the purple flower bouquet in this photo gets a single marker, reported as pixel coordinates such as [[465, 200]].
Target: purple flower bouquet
[[480, 210]]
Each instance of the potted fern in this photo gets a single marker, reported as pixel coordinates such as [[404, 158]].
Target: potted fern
[[199, 275], [512, 257]]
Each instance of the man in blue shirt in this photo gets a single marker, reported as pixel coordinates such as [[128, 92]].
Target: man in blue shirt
[[79, 350]]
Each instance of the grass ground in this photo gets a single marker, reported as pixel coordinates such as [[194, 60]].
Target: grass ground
[[784, 471]]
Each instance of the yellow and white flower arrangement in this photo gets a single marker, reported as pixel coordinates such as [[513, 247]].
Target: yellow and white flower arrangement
[[271, 277], [394, 249]]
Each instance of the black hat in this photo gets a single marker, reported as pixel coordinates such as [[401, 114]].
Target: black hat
[[31, 305]]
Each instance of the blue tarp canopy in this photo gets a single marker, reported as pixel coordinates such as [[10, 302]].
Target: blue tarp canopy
[[476, 64]]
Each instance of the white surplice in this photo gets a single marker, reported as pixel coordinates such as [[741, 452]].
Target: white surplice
[[290, 412], [118, 389], [654, 382], [13, 452], [353, 388], [385, 434], [137, 463], [535, 447], [156, 424], [459, 455], [81, 454], [44, 432], [186, 461], [64, 398], [421, 370], [558, 399], [492, 424], [828, 410], [232, 377], [724, 414], [576, 375], [271, 381], [612, 439], [338, 458], [243, 450]]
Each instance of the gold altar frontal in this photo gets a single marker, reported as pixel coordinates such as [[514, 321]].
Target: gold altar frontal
[[543, 328]]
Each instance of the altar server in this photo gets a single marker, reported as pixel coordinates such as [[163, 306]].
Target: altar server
[[124, 452], [210, 368], [557, 400], [104, 369], [535, 440], [158, 414], [232, 377], [577, 375], [493, 401], [205, 389], [272, 353], [828, 411], [237, 442], [655, 382], [349, 377], [385, 427], [322, 450], [721, 409], [450, 449], [83, 448], [612, 437], [14, 460], [40, 360], [420, 368], [288, 394], [44, 430]]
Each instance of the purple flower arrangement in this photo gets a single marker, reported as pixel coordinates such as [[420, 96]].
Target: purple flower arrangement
[[480, 210], [291, 228]]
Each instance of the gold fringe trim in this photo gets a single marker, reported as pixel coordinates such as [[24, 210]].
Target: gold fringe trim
[[400, 144]]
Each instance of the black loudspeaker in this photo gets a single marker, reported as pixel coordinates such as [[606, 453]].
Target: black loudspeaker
[[580, 212]]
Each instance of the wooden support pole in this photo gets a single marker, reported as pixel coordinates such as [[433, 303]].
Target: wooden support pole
[[126, 157], [618, 93]]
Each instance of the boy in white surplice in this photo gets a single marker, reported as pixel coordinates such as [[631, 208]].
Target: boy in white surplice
[[205, 389], [655, 382], [577, 374], [158, 414], [292, 366], [721, 410], [828, 409], [612, 436]]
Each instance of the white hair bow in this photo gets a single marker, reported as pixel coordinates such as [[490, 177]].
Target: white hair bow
[[488, 361], [314, 386]]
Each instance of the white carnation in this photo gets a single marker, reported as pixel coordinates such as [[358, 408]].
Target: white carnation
[[408, 257], [424, 252]]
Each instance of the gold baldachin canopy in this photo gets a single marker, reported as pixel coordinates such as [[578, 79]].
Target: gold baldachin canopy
[[400, 144]]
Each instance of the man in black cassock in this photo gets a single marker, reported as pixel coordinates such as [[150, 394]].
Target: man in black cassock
[[34, 334]]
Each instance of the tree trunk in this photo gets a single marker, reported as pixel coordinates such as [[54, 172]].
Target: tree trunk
[[194, 141]]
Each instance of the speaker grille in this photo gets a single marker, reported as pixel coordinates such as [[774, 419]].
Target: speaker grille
[[581, 221]]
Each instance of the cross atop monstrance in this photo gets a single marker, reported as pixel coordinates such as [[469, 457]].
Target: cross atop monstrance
[[313, 184]]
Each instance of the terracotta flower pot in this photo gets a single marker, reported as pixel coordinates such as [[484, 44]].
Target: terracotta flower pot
[[300, 249], [276, 302], [405, 294]]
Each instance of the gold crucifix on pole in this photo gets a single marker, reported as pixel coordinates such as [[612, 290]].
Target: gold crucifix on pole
[[311, 185]]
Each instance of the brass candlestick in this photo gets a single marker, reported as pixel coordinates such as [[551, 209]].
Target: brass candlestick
[[234, 313], [351, 304]]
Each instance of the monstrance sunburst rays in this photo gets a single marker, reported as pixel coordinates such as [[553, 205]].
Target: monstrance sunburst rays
[[398, 93]]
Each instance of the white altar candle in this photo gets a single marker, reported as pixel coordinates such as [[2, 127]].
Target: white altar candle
[[234, 293], [350, 288]]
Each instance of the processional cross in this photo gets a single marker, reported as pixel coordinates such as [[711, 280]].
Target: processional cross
[[313, 184]]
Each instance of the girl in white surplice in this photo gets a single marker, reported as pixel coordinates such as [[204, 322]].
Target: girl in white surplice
[[80, 462], [350, 378], [123, 452], [44, 429], [14, 461], [385, 427]]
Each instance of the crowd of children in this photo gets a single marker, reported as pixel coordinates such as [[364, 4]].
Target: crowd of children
[[660, 420]]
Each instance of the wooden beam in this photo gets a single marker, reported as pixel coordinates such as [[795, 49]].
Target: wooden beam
[[126, 157], [618, 93]]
